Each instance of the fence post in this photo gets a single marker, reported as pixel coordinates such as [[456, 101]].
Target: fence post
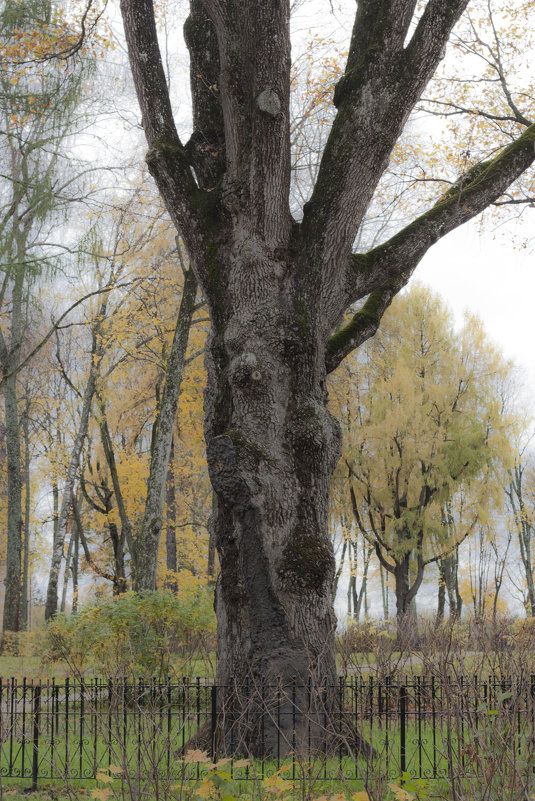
[[35, 736], [213, 723], [403, 731]]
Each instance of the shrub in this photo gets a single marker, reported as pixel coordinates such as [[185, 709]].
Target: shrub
[[133, 632]]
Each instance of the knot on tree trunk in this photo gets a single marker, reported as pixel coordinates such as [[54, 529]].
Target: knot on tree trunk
[[269, 102], [224, 472]]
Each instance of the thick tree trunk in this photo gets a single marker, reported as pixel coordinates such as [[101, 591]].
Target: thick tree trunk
[[402, 587], [211, 568], [272, 446], [407, 629]]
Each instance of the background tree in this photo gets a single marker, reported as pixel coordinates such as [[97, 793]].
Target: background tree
[[424, 422], [278, 289], [37, 116], [138, 357], [520, 498]]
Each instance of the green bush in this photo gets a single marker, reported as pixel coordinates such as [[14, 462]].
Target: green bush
[[132, 633]]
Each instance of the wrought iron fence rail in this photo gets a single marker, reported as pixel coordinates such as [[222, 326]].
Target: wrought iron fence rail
[[420, 726]]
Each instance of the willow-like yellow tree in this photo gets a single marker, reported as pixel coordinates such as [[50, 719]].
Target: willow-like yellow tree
[[425, 421], [278, 288]]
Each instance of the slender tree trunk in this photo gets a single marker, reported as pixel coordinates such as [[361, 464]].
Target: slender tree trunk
[[147, 543], [353, 567], [66, 501], [170, 529], [27, 508], [107, 445], [450, 573], [12, 599], [75, 566], [441, 604], [66, 574], [384, 591], [55, 511], [340, 567], [515, 493], [363, 592], [119, 576], [9, 361]]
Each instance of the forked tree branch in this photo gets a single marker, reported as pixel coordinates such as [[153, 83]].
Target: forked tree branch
[[369, 123], [166, 158], [382, 271]]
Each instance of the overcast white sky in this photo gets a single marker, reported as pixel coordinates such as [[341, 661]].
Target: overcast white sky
[[491, 277]]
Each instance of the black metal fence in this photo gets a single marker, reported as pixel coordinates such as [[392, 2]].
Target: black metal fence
[[417, 727]]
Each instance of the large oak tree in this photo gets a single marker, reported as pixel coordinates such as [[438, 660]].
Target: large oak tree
[[278, 289]]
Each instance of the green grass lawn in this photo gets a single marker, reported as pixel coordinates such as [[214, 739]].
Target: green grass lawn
[[32, 667]]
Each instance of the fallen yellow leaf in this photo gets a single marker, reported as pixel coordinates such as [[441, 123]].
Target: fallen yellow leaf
[[103, 777]]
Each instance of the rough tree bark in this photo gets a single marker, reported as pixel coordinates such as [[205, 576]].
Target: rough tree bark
[[277, 289]]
